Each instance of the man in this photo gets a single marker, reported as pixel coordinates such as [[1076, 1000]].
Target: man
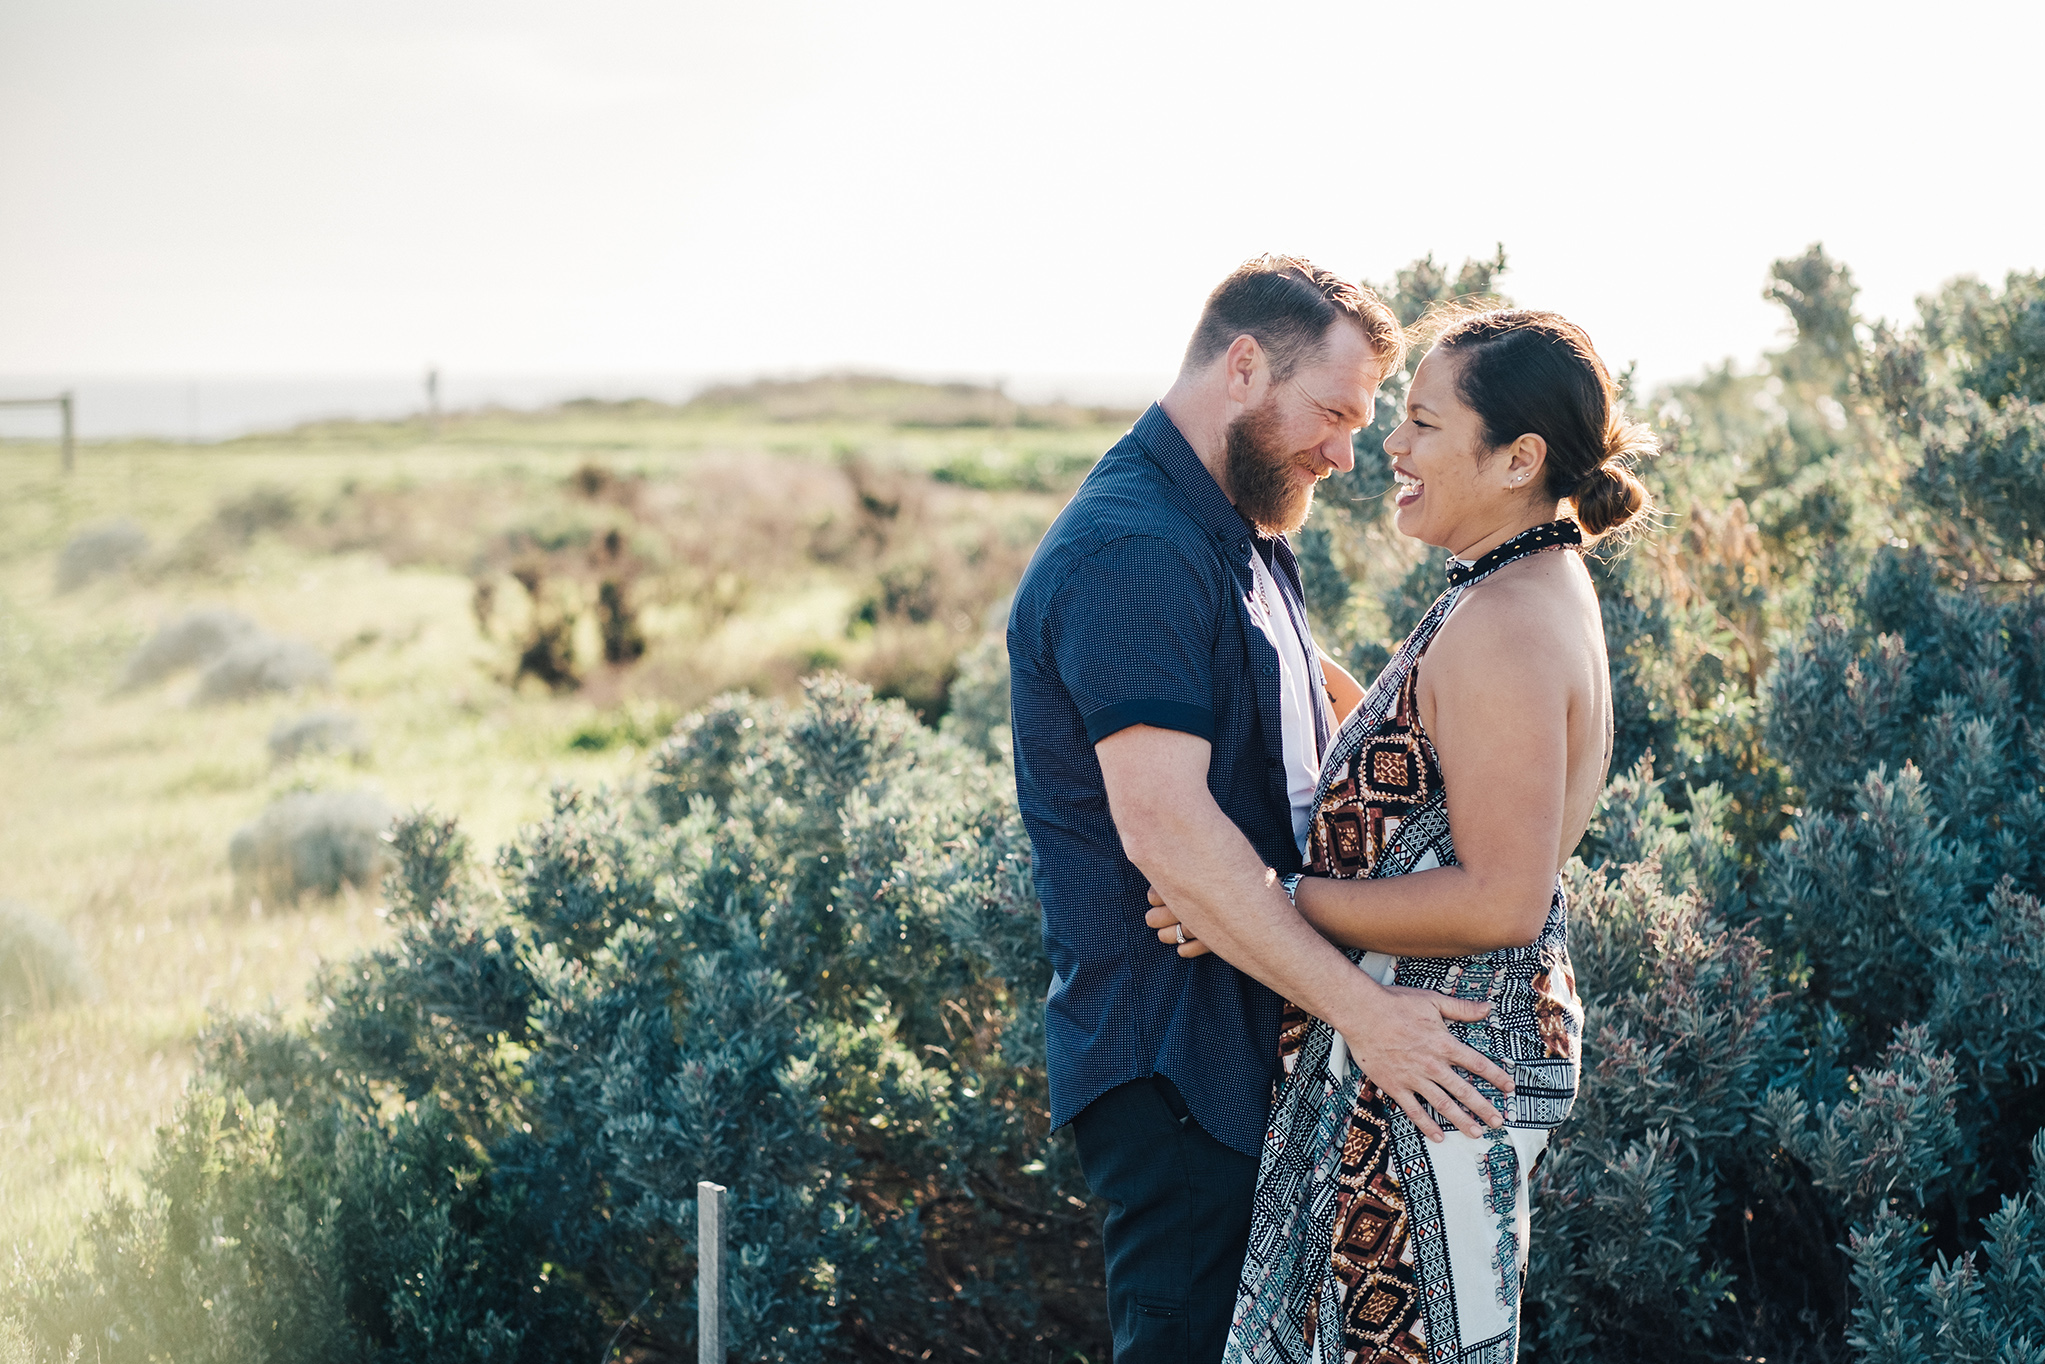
[[1170, 710]]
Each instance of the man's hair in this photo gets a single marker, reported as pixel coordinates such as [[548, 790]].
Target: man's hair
[[1289, 304]]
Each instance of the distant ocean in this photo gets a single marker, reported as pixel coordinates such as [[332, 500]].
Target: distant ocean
[[220, 408]]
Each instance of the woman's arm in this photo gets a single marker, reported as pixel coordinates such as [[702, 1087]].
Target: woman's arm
[[1344, 691], [1495, 700]]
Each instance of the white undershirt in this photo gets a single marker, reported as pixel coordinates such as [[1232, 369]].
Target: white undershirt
[[1295, 699]]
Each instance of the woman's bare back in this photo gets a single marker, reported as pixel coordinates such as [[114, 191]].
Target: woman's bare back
[[1542, 613]]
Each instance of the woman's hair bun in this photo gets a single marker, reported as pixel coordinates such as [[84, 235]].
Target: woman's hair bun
[[1610, 498], [1537, 373]]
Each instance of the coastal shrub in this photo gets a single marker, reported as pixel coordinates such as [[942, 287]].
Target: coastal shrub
[[977, 705], [641, 724], [98, 550], [195, 638], [236, 521], [813, 978], [16, 1346], [40, 964], [257, 664], [321, 731], [311, 841], [1987, 1303], [803, 959]]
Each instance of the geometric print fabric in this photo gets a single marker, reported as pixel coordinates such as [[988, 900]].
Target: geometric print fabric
[[1368, 1242]]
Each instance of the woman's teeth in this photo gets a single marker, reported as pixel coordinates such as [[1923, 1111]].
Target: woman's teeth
[[1409, 487]]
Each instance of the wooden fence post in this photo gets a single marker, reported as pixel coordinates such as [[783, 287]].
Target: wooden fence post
[[710, 1276], [62, 402]]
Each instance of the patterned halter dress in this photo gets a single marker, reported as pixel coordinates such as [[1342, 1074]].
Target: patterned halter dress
[[1370, 1244]]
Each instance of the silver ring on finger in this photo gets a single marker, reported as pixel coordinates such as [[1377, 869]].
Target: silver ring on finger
[[1179, 932]]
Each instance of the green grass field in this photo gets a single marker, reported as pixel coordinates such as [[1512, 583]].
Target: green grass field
[[756, 535]]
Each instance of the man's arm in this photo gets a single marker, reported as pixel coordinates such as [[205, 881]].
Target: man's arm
[[1206, 870], [1495, 698]]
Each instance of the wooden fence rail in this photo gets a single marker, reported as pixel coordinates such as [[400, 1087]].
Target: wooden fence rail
[[62, 402]]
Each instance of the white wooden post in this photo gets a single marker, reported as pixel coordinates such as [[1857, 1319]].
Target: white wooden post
[[709, 1273]]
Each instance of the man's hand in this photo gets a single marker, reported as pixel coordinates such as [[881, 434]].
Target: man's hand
[[1212, 881], [1402, 1046], [1405, 1049]]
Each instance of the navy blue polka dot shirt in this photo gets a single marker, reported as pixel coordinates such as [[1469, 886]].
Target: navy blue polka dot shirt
[[1135, 610]]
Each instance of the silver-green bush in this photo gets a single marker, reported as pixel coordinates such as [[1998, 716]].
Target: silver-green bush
[[257, 664], [40, 964], [99, 549], [1810, 933], [978, 700], [311, 841], [321, 731], [193, 639]]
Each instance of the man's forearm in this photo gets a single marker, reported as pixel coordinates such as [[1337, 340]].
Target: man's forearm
[[1226, 896], [1205, 869]]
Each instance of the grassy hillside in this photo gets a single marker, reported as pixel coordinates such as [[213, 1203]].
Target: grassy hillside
[[505, 599]]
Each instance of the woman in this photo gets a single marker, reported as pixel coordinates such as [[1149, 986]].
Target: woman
[[1371, 1242]]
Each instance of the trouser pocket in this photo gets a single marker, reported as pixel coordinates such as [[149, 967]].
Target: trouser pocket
[[1159, 1333]]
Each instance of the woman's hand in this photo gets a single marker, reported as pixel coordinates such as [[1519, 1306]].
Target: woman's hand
[[1170, 931]]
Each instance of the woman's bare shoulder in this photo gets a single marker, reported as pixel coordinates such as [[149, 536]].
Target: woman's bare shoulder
[[1514, 621]]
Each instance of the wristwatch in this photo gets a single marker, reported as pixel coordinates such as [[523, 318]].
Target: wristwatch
[[1291, 884]]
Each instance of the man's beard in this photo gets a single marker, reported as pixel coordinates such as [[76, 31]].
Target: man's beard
[[1261, 473]]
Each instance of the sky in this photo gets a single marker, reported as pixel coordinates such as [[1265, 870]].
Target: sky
[[243, 187]]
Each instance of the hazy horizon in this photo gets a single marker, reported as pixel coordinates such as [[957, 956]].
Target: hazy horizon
[[221, 187], [223, 406]]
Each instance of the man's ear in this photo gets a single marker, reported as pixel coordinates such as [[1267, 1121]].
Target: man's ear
[[1526, 464], [1246, 370]]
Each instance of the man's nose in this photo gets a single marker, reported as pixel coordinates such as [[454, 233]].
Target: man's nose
[[1339, 451]]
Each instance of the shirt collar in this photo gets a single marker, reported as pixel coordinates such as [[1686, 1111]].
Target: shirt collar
[[1167, 448]]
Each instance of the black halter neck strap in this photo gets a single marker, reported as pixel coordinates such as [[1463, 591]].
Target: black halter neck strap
[[1530, 541]]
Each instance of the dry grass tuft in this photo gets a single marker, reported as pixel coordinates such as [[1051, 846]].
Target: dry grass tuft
[[40, 965], [192, 640], [312, 842], [258, 664], [322, 731], [98, 550]]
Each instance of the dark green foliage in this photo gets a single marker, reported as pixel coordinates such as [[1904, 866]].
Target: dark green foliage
[[1682, 1041], [977, 709], [1985, 1304]]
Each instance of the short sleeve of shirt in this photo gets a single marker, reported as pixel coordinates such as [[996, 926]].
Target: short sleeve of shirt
[[1131, 635]]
